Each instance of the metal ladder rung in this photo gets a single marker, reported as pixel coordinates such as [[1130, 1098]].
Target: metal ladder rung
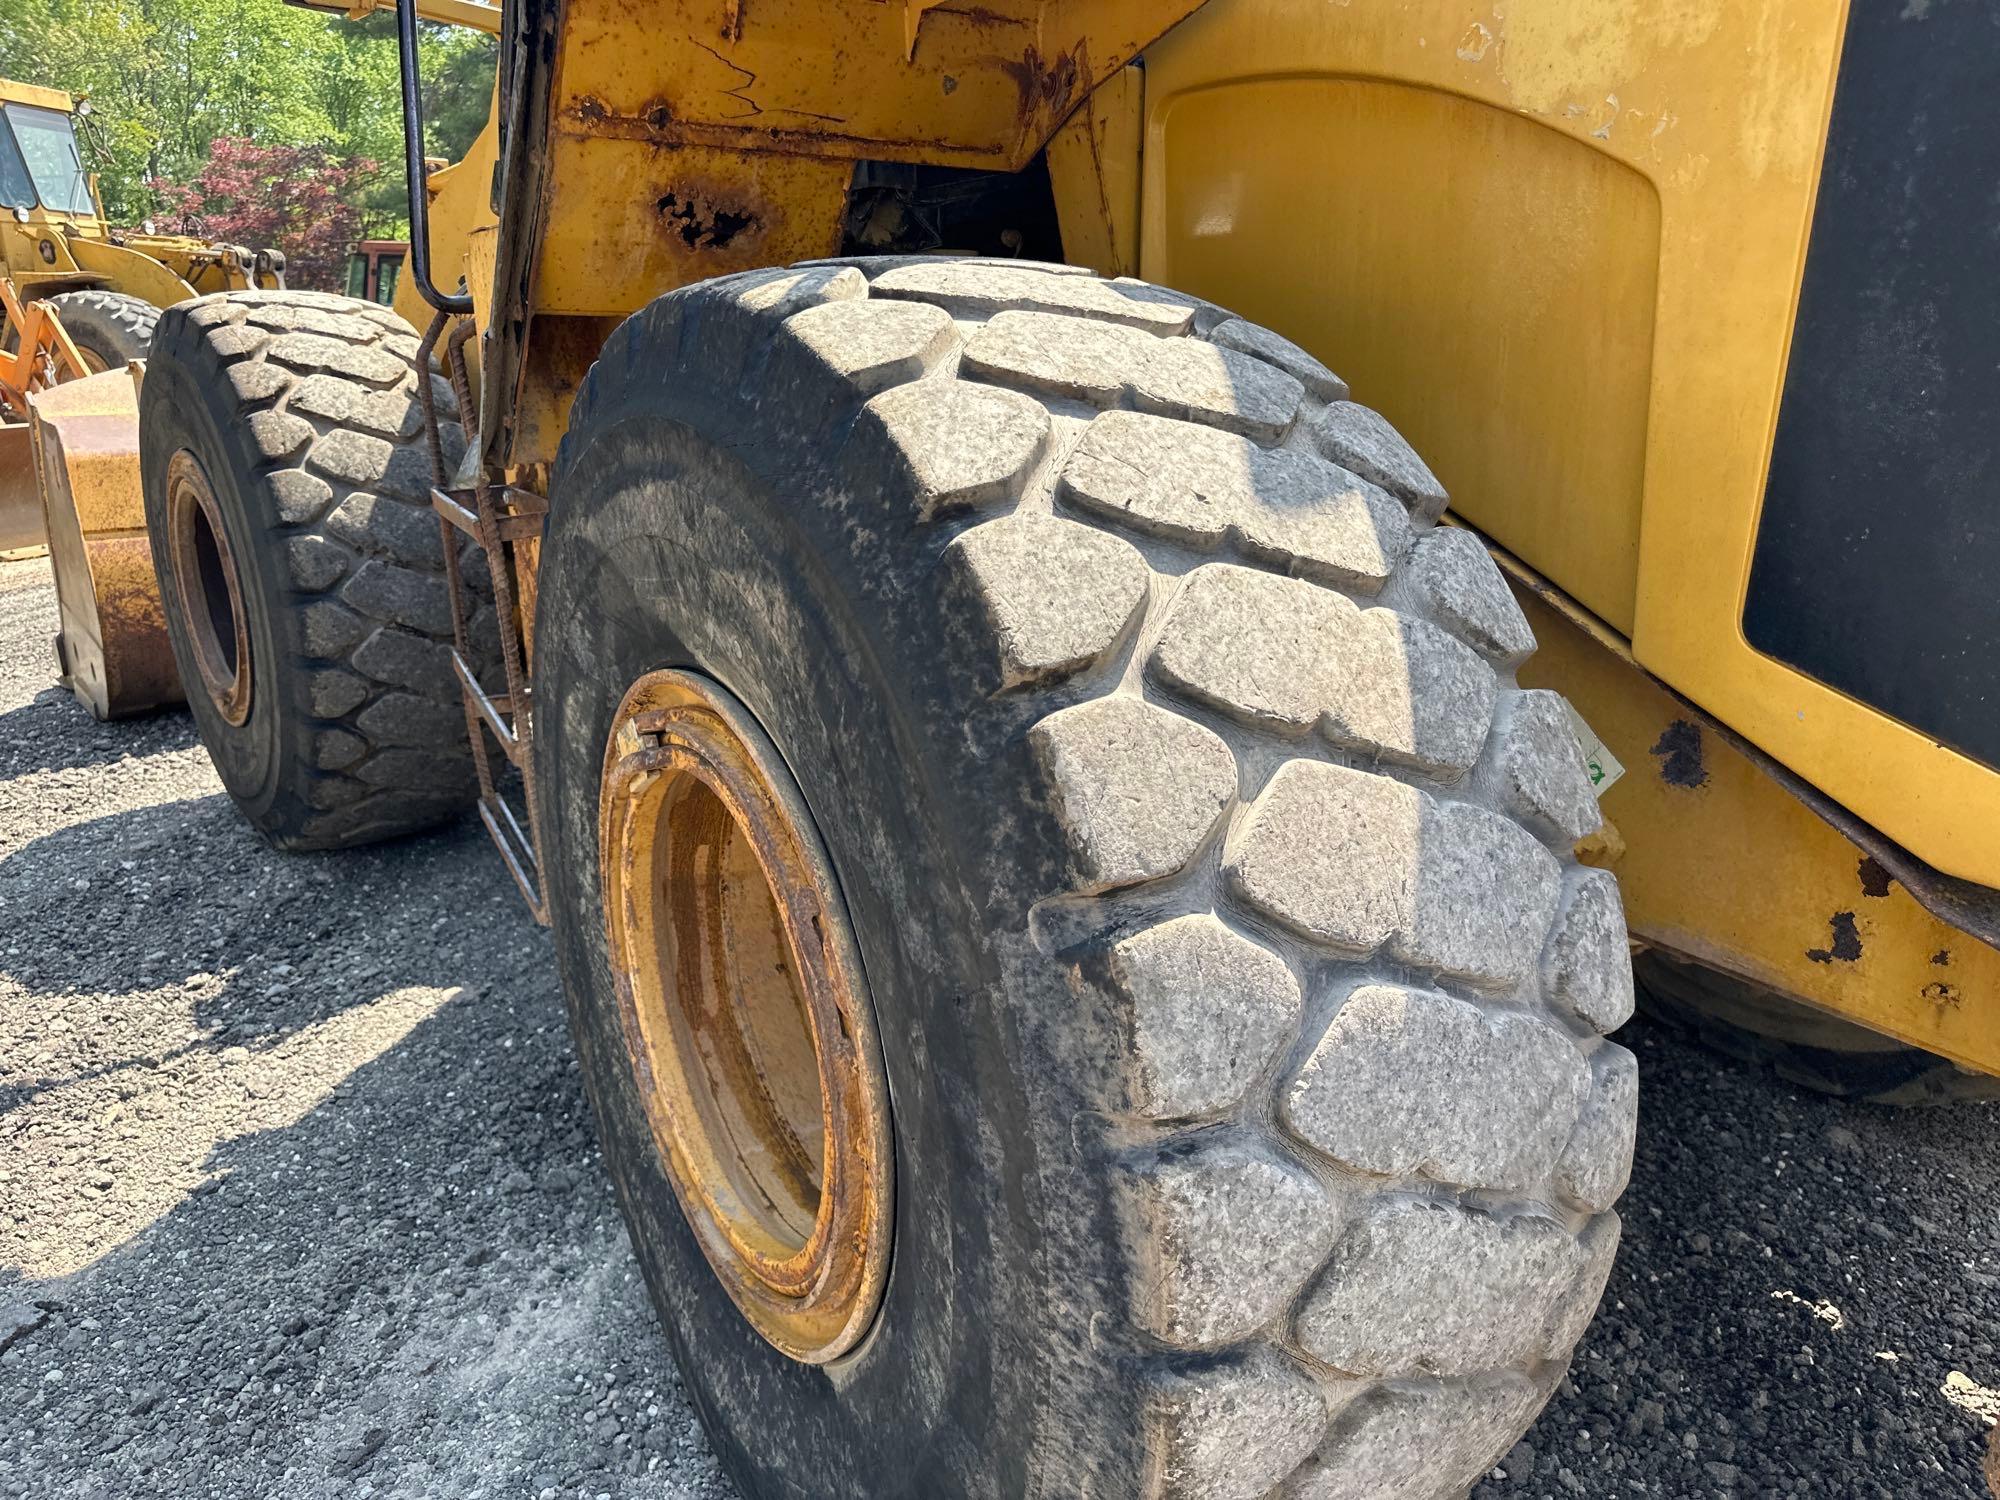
[[496, 716], [518, 523], [515, 847], [499, 519]]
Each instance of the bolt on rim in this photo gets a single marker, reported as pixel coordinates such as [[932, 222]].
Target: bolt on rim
[[745, 1014], [211, 598]]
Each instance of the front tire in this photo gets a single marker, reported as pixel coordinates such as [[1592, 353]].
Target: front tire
[[1240, 1003], [301, 567], [109, 329]]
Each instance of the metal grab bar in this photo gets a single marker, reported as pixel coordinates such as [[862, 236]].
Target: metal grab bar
[[459, 303]]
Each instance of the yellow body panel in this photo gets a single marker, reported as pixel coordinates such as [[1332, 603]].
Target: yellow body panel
[[126, 270], [699, 212], [461, 199], [33, 93], [686, 141], [1723, 864], [689, 140], [1094, 176], [1559, 243]]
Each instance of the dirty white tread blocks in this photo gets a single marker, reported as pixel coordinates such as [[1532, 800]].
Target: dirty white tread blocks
[[1350, 980]]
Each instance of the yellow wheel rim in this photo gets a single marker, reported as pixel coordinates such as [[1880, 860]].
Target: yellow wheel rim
[[745, 1014]]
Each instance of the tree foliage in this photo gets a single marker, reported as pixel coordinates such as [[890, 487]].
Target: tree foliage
[[167, 79], [300, 198]]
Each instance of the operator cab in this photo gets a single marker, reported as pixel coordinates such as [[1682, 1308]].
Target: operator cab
[[40, 165]]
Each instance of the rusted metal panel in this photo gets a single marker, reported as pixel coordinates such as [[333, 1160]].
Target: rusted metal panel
[[21, 533], [653, 146], [113, 648], [979, 85], [1726, 858], [1094, 172], [628, 220]]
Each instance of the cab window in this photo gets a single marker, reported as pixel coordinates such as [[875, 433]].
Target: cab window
[[47, 143]]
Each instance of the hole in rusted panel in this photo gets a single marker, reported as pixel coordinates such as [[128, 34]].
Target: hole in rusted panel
[[703, 225], [1846, 943]]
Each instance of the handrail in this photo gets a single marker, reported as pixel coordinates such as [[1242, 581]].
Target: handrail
[[413, 163]]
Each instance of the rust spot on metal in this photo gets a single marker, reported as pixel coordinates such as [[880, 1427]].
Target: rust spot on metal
[[658, 125], [979, 15], [1047, 88], [1846, 942], [1942, 957], [1874, 879], [1679, 748], [1940, 993], [702, 223]]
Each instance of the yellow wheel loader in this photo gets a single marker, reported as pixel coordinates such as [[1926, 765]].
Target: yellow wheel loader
[[1090, 927], [78, 302]]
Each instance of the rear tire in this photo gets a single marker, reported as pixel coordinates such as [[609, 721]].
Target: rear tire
[[300, 412], [1239, 999], [110, 329], [1808, 1047]]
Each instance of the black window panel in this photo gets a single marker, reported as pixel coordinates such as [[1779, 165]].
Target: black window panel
[[1877, 565]]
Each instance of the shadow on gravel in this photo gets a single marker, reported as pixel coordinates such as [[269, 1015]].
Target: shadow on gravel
[[55, 733], [298, 1191]]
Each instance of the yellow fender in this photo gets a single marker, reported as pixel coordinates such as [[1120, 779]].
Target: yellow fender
[[130, 272]]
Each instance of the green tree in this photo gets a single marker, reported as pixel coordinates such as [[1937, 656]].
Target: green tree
[[166, 78]]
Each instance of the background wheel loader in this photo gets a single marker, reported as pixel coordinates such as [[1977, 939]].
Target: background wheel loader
[[1089, 925], [78, 302]]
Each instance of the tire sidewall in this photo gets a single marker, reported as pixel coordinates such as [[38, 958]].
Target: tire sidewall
[[668, 552], [184, 405]]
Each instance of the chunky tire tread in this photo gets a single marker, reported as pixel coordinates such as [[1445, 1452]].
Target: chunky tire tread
[[325, 388], [1341, 982], [114, 326]]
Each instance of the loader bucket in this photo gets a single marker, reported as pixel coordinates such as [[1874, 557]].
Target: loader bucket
[[113, 643], [21, 532]]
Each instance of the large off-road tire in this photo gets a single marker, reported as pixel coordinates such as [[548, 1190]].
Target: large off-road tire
[[109, 329], [1808, 1047], [298, 413], [1240, 1002]]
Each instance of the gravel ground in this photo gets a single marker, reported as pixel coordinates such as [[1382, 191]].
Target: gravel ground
[[298, 1195]]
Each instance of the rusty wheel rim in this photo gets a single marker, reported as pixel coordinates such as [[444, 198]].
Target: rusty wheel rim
[[211, 598], [745, 1014]]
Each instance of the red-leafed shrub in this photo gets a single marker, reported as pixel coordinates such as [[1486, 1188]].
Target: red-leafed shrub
[[296, 198]]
